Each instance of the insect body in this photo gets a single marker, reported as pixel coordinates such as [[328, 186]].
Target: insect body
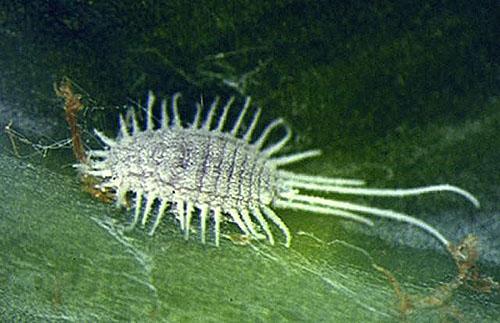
[[223, 171]]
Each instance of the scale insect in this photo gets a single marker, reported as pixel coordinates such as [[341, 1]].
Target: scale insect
[[224, 171]]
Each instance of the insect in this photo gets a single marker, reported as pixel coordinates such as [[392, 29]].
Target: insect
[[224, 171]]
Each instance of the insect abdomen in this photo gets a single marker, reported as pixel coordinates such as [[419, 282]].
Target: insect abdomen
[[202, 167]]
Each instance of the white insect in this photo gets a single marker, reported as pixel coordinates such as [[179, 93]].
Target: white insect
[[225, 172]]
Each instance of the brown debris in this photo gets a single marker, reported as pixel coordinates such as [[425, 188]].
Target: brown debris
[[465, 256], [72, 105]]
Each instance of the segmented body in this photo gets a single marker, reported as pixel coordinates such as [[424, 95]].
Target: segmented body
[[202, 167], [221, 170]]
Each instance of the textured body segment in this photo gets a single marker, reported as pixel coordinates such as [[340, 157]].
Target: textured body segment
[[201, 167]]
